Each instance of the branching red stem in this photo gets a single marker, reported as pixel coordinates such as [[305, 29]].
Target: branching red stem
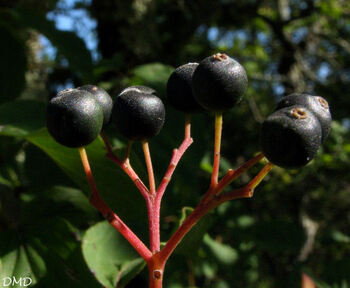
[[154, 203], [156, 259], [125, 165], [107, 212], [248, 190], [209, 203]]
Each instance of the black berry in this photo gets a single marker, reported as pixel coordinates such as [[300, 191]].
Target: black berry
[[103, 99], [179, 89], [219, 82], [74, 118], [291, 136], [316, 104], [138, 113]]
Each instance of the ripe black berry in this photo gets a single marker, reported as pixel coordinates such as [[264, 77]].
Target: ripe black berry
[[74, 118], [138, 113], [103, 99], [291, 136], [179, 89], [316, 104], [219, 82]]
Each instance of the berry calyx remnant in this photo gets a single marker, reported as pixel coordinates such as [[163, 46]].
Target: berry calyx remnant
[[316, 104], [291, 136], [219, 82]]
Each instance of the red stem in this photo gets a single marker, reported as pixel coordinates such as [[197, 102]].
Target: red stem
[[208, 204], [153, 212], [154, 204], [125, 165], [177, 155], [107, 212], [148, 160], [231, 175], [156, 259], [248, 190], [153, 224], [201, 210]]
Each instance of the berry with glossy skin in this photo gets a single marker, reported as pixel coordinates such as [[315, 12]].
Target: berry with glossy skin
[[103, 99], [291, 136], [74, 118], [219, 82], [179, 89], [144, 89], [316, 104], [138, 113]]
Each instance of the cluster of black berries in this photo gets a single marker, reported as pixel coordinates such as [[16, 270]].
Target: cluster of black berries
[[216, 84], [75, 117], [291, 136]]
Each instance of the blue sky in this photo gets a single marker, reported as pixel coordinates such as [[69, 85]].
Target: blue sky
[[78, 20], [67, 18]]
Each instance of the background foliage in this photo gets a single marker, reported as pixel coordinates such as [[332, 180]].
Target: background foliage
[[297, 220]]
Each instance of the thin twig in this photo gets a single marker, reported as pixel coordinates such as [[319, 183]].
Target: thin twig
[[217, 145], [125, 165], [148, 160]]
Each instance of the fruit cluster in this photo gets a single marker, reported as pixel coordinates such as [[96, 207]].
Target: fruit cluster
[[75, 117], [290, 137]]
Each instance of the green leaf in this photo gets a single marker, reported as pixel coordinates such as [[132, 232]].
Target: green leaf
[[222, 252], [155, 75], [66, 202], [340, 237], [13, 60], [19, 260], [44, 248], [70, 272], [115, 187], [193, 240], [19, 118], [109, 256], [68, 43], [129, 270]]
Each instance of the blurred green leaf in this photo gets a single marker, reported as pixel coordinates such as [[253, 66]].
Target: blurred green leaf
[[338, 236], [14, 63], [18, 259], [109, 256], [222, 252], [129, 270], [115, 187], [66, 202], [155, 75], [19, 118], [193, 240]]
